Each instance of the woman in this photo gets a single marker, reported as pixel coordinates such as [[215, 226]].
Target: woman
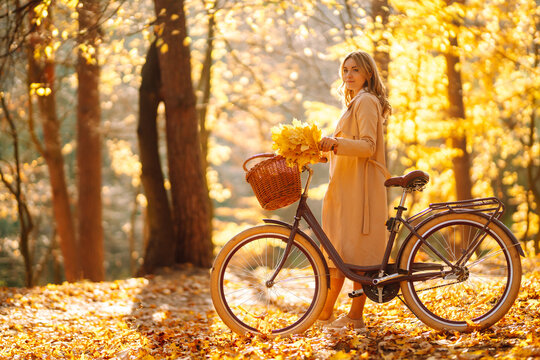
[[354, 207]]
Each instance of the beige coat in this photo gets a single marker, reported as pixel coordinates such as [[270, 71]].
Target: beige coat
[[354, 207]]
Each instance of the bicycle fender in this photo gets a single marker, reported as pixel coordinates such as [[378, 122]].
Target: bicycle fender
[[308, 238], [511, 235], [496, 221]]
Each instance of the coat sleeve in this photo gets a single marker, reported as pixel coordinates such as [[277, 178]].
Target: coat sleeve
[[365, 114]]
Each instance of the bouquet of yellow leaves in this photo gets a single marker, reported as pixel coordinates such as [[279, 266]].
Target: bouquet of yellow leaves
[[297, 143]]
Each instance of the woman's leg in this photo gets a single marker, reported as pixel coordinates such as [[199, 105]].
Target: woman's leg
[[336, 283], [357, 307]]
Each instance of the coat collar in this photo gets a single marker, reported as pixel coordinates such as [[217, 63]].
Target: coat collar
[[362, 91], [341, 123]]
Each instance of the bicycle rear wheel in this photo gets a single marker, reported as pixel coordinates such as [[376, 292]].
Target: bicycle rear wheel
[[476, 295], [244, 300]]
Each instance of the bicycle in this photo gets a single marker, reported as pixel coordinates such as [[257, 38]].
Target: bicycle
[[458, 268]]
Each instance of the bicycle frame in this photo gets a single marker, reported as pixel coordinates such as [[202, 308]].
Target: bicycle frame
[[456, 265], [491, 206]]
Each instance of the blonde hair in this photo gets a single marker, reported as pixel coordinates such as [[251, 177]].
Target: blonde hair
[[373, 84]]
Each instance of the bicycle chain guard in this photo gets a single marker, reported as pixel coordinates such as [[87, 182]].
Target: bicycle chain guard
[[381, 293]]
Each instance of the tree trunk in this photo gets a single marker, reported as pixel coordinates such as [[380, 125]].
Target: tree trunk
[[462, 162], [15, 188], [89, 143], [189, 200], [41, 71], [160, 241], [204, 88], [131, 235]]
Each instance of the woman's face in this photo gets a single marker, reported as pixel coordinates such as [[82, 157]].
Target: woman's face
[[353, 76]]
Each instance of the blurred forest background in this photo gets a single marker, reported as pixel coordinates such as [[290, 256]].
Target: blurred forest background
[[99, 181]]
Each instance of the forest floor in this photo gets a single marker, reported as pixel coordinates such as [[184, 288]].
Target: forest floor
[[170, 316]]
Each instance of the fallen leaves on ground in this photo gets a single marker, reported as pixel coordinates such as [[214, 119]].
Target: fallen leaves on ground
[[170, 316]]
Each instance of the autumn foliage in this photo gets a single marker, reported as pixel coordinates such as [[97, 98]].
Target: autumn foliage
[[462, 79], [298, 143], [170, 316]]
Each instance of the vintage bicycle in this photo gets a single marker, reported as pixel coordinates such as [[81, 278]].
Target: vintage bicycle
[[458, 268]]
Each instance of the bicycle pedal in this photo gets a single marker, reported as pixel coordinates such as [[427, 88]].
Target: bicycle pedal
[[356, 293]]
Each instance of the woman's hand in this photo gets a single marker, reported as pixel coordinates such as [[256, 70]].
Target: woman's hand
[[327, 143]]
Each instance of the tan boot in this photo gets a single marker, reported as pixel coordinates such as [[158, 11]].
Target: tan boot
[[325, 323], [345, 321]]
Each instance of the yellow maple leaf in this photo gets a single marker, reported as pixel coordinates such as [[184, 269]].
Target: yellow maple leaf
[[472, 324], [298, 142], [340, 355]]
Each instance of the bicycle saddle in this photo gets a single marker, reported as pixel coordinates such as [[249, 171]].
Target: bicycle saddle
[[414, 180]]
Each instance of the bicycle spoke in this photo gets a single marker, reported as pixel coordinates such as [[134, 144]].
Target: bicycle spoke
[[484, 279], [231, 293], [484, 258], [296, 278], [249, 297], [288, 291], [280, 308], [242, 272], [472, 291], [442, 242]]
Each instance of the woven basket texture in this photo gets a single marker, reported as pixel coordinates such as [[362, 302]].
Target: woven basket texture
[[274, 183]]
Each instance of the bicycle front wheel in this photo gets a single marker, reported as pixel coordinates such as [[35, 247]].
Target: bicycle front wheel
[[478, 292], [244, 299]]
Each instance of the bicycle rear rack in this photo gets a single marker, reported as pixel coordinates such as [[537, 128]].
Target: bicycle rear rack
[[490, 206]]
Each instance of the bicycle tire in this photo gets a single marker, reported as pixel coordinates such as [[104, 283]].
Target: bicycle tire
[[238, 283], [485, 290]]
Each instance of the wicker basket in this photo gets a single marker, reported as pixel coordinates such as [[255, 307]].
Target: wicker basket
[[274, 183]]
